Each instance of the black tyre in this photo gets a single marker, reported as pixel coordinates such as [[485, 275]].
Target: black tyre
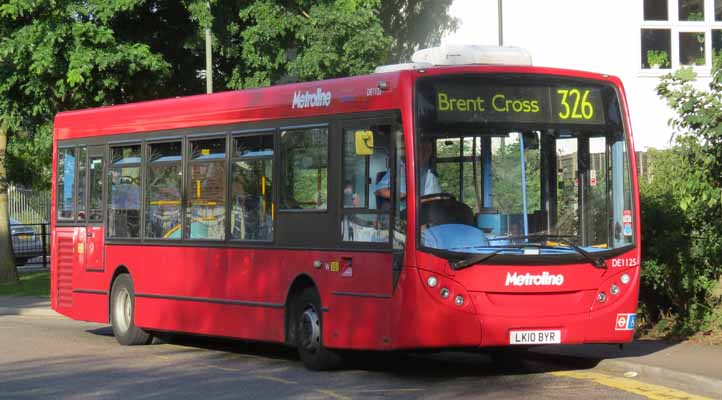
[[122, 313], [307, 328]]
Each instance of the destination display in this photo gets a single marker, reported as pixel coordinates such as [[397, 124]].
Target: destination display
[[565, 104]]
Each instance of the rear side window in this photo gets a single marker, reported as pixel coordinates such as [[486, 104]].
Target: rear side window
[[124, 196], [304, 169], [66, 184]]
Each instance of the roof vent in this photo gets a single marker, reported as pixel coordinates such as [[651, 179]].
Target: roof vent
[[472, 54]]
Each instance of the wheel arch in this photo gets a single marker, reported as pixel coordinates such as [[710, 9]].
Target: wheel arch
[[300, 282], [119, 270]]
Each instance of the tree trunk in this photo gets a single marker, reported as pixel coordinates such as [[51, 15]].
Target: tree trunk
[[8, 273]]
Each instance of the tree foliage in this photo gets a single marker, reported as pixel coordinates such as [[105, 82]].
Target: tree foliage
[[61, 55], [682, 206]]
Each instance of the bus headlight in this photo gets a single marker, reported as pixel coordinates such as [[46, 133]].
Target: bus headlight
[[459, 300], [432, 281], [444, 293], [614, 289], [602, 297], [624, 278]]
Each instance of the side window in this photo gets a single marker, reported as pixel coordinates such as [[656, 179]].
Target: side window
[[367, 184], [206, 190], [252, 210], [163, 191], [82, 160], [95, 173], [66, 184], [124, 195], [304, 169]]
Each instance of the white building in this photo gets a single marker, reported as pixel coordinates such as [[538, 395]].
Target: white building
[[618, 37]]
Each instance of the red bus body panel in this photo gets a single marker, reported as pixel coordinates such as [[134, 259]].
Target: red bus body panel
[[242, 292]]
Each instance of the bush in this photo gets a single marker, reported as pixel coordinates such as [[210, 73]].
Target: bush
[[681, 241]]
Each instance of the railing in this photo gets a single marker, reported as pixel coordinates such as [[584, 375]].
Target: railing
[[28, 206], [31, 244]]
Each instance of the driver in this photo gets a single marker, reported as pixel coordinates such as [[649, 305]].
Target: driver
[[429, 180]]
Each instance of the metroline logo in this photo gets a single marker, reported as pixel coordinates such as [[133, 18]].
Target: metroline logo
[[544, 279], [308, 99]]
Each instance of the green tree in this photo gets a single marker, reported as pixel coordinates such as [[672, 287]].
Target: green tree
[[682, 205], [61, 55], [415, 24]]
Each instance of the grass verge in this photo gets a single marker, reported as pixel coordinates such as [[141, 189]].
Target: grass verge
[[31, 284]]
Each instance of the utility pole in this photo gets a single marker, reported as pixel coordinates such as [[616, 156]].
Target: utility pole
[[209, 52], [500, 18], [209, 63]]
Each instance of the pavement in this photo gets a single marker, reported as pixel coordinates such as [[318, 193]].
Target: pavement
[[685, 365]]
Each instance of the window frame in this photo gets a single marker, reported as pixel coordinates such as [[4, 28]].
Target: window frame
[[233, 135], [187, 161], [340, 129], [146, 162], [141, 175], [675, 26], [329, 154]]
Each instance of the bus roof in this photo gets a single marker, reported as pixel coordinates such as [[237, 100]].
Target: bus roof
[[342, 95]]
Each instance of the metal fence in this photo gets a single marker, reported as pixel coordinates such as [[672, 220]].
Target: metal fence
[[28, 206], [31, 244]]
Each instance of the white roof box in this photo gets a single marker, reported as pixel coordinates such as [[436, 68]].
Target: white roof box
[[472, 54], [401, 67]]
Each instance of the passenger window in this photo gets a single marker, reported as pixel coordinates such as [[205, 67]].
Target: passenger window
[[95, 206], [252, 210], [367, 185], [82, 160], [206, 190], [66, 185], [124, 197], [304, 169], [163, 193]]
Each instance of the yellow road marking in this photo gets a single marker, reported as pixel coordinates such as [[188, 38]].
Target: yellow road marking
[[331, 393], [402, 390], [273, 378], [648, 390]]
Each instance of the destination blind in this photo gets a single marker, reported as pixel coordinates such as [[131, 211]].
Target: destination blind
[[563, 104]]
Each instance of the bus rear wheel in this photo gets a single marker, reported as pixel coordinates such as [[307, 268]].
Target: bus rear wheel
[[308, 332], [122, 313]]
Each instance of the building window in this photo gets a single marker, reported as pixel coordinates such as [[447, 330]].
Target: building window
[[691, 10], [691, 48], [670, 41], [656, 48], [655, 10]]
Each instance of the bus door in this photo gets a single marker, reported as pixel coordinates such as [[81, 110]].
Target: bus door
[[368, 182], [92, 213]]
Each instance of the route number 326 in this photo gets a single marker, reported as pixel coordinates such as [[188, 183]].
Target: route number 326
[[575, 104]]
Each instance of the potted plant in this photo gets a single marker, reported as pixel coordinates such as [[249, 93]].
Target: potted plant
[[657, 59]]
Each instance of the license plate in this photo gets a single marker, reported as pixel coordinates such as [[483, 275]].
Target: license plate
[[535, 337]]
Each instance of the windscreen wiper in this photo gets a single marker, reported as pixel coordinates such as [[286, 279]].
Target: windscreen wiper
[[468, 262], [597, 262]]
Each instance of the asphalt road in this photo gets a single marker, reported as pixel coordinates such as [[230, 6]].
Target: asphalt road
[[53, 357]]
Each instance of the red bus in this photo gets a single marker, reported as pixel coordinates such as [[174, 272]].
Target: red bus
[[436, 204]]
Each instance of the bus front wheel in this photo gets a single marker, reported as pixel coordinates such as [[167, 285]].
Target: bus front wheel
[[308, 328], [122, 313]]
